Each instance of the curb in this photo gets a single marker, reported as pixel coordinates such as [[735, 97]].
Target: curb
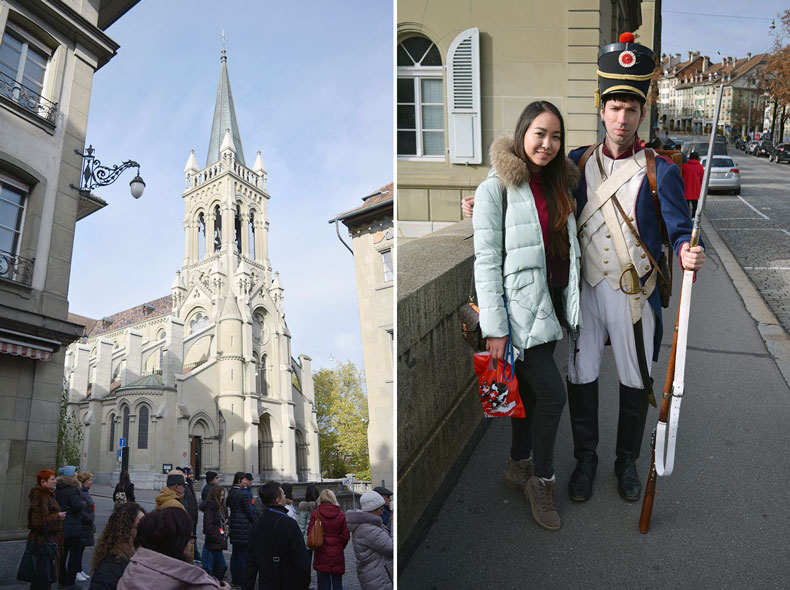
[[771, 330]]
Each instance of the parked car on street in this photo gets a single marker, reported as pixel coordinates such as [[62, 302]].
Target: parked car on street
[[782, 153], [724, 175], [764, 148], [719, 148]]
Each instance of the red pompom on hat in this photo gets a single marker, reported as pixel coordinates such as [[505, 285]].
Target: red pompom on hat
[[627, 38]]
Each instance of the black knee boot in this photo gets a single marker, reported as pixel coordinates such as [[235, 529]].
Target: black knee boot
[[630, 429], [583, 407]]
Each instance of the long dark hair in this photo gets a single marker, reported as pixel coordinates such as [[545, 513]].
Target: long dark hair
[[124, 481], [165, 531], [311, 493], [554, 178], [215, 494], [116, 538]]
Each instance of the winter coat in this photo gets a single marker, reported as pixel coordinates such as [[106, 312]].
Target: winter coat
[[372, 548], [107, 573], [190, 502], [242, 515], [149, 570], [87, 518], [205, 491], [215, 526], [168, 498], [129, 491], [303, 516], [524, 278], [291, 510], [67, 493], [692, 173], [44, 509], [276, 535], [329, 558]]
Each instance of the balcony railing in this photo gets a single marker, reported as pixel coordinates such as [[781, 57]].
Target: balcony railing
[[28, 99], [15, 268]]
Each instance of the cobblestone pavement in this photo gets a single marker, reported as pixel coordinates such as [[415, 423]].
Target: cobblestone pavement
[[755, 225], [102, 498]]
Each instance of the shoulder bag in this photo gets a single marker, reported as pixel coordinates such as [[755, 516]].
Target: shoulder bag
[[38, 563]]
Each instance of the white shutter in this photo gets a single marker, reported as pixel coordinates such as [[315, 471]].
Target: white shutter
[[463, 98]]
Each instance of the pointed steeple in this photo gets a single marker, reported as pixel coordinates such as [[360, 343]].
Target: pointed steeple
[[224, 118]]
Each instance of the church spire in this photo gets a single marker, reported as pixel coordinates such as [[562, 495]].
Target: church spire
[[224, 116]]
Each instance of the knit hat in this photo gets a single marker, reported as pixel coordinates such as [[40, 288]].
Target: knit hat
[[67, 471], [370, 501], [175, 477], [210, 475], [248, 476]]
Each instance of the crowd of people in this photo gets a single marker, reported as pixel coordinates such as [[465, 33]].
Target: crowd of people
[[267, 534]]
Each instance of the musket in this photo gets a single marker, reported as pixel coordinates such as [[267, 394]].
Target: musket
[[665, 434]]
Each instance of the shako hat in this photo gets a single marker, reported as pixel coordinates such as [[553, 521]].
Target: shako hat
[[624, 67]]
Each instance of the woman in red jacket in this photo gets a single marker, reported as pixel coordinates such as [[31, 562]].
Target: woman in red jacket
[[693, 173], [329, 560]]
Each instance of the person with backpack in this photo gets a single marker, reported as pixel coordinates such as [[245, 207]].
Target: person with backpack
[[124, 489]]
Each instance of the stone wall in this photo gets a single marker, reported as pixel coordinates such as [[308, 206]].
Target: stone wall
[[438, 410]]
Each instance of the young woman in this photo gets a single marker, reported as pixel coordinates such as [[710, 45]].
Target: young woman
[[288, 489], [539, 278], [162, 558], [124, 489], [44, 517], [215, 530], [115, 546], [87, 520], [329, 561]]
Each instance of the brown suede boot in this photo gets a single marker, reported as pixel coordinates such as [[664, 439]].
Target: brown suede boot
[[543, 499], [517, 473]]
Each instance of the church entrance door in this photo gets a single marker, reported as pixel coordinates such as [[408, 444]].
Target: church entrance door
[[196, 454]]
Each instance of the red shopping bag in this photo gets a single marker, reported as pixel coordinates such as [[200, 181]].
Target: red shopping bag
[[498, 387]]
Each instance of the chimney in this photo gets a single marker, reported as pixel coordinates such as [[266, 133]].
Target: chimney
[[705, 63], [749, 55], [691, 55]]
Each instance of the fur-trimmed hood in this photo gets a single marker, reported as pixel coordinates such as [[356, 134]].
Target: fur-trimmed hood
[[514, 171], [64, 481]]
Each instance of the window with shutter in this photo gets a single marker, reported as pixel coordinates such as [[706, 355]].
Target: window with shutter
[[463, 99]]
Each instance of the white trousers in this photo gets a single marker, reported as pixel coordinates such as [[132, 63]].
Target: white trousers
[[606, 312]]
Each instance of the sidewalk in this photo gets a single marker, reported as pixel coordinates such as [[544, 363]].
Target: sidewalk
[[719, 521]]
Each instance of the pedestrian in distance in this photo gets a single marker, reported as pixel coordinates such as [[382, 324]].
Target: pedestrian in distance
[[87, 520], [163, 555], [215, 532], [124, 489], [115, 545], [172, 494], [693, 173], [190, 502], [289, 499], [277, 556], [45, 517], [329, 560], [212, 479], [242, 518], [386, 514], [306, 508], [541, 262], [67, 493], [372, 543]]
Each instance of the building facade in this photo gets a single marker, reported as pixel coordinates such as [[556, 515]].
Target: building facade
[[49, 52], [465, 73], [203, 376], [370, 227]]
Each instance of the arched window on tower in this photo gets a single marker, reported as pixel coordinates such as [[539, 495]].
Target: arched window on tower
[[261, 382], [112, 432], [142, 428], [252, 236], [237, 229], [126, 422], [217, 229], [201, 236]]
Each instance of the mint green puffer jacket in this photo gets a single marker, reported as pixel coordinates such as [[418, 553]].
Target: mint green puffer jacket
[[529, 305]]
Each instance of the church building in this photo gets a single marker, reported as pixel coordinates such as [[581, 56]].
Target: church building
[[202, 376]]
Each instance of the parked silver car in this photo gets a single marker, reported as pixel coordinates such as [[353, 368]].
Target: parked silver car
[[724, 175]]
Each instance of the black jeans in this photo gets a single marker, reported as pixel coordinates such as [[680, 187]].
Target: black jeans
[[542, 391], [70, 560]]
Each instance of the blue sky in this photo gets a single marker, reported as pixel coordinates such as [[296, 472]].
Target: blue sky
[[312, 86], [739, 27]]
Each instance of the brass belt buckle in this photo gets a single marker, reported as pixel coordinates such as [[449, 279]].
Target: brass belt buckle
[[635, 287]]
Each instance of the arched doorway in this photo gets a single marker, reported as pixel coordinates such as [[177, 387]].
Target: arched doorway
[[265, 446], [199, 432]]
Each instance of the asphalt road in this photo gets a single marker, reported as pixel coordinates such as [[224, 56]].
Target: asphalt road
[[720, 521]]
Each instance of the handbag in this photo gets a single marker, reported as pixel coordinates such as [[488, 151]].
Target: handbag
[[38, 563], [469, 313], [315, 538], [498, 386]]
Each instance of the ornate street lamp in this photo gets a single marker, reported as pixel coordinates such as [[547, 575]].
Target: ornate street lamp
[[95, 175]]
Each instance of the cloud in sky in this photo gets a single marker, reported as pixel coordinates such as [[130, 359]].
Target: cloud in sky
[[312, 87]]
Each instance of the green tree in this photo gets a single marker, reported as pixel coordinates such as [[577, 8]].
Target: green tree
[[342, 407], [70, 434]]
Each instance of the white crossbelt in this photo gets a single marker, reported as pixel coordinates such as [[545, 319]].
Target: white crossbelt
[[667, 433]]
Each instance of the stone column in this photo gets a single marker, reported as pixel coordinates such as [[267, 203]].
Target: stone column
[[134, 358], [103, 378], [173, 357], [78, 387]]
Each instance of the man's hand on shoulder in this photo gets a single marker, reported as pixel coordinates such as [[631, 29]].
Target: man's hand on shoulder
[[692, 258]]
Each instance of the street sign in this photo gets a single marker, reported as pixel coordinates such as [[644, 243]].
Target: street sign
[[120, 455], [122, 443]]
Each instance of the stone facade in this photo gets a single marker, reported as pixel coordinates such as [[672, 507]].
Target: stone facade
[[373, 243], [527, 51], [203, 376]]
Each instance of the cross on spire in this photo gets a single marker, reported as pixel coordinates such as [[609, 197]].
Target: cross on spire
[[224, 38]]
